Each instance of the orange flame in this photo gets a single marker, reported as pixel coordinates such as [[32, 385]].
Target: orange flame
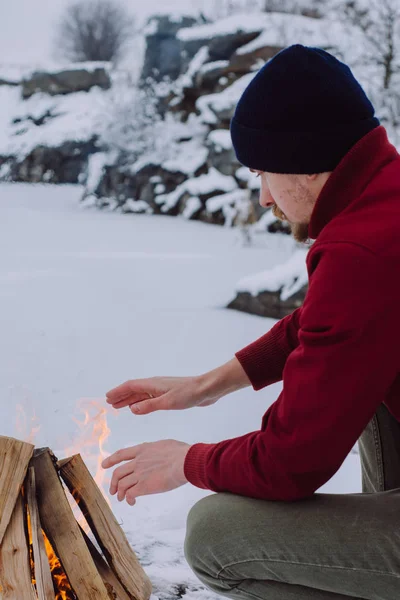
[[93, 434], [60, 580], [21, 425]]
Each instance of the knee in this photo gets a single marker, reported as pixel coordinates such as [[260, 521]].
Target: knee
[[200, 532]]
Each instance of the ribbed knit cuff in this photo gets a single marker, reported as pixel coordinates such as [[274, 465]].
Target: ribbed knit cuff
[[263, 360], [194, 467]]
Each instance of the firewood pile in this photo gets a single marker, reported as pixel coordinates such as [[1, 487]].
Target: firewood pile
[[45, 554]]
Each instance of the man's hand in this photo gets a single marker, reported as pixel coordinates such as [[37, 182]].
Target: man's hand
[[153, 468]]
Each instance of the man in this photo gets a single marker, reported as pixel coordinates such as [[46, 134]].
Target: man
[[307, 128]]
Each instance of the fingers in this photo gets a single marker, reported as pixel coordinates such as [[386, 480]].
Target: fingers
[[129, 392], [150, 405], [119, 474], [125, 485], [119, 392], [119, 456]]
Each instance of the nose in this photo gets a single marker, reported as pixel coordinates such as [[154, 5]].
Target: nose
[[266, 200]]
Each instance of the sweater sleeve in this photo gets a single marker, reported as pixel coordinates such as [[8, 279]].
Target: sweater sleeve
[[264, 360], [346, 360]]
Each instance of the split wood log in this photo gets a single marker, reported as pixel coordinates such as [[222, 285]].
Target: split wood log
[[114, 587], [15, 570], [63, 531], [109, 535], [14, 460], [44, 582]]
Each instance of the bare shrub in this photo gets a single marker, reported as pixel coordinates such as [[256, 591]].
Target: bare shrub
[[94, 30]]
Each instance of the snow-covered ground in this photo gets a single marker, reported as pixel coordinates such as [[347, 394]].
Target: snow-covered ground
[[89, 299]]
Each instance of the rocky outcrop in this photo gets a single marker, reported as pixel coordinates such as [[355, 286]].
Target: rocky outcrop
[[62, 164], [243, 62], [220, 47], [274, 293], [60, 138], [267, 304], [66, 81], [144, 185], [163, 56], [9, 82]]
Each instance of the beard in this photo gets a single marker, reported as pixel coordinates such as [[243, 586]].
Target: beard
[[299, 231]]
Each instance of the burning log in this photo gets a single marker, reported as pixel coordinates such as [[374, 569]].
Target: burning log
[[44, 582], [15, 571], [42, 529], [63, 531], [111, 582], [105, 528]]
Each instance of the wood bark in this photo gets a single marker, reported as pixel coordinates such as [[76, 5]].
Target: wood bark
[[44, 582], [63, 531], [14, 460], [15, 570], [109, 535], [115, 590]]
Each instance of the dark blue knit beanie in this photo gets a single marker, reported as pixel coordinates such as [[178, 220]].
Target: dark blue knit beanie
[[301, 113]]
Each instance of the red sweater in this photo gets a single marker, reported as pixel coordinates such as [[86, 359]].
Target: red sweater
[[338, 354]]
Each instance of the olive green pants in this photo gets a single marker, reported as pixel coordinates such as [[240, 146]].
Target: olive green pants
[[326, 547]]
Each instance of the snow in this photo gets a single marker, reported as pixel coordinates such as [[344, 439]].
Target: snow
[[221, 139], [244, 174], [5, 171], [170, 151], [159, 189], [74, 117], [90, 299], [280, 30], [192, 206], [239, 23], [13, 73], [137, 206], [192, 155], [96, 164], [89, 66], [213, 180], [212, 66], [264, 221], [186, 80], [16, 73], [204, 184], [276, 29], [289, 277], [218, 202], [226, 100], [235, 204]]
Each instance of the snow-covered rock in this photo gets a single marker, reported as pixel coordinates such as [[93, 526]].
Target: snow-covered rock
[[274, 293], [219, 108], [66, 81], [232, 208], [222, 155], [203, 187]]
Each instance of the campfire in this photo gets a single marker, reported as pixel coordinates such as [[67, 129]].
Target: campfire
[[45, 553]]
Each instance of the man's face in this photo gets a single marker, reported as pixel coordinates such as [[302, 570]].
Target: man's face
[[292, 198]]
